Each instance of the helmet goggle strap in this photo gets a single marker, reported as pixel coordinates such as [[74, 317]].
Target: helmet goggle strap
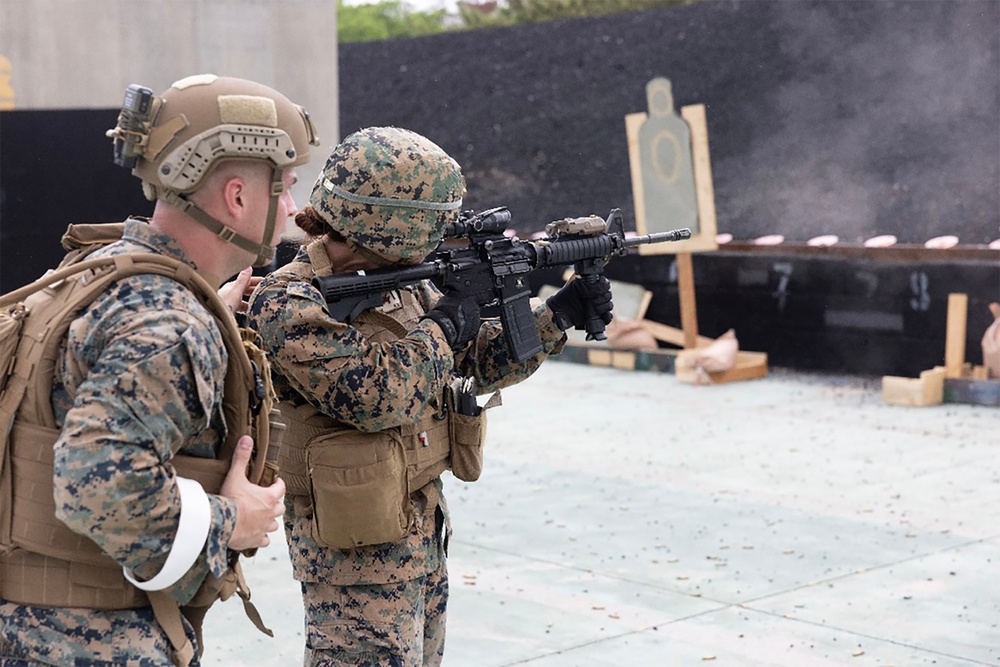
[[277, 189], [265, 253]]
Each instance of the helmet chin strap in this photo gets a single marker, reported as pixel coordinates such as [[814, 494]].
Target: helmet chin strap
[[265, 253]]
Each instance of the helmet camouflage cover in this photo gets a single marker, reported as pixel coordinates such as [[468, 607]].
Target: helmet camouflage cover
[[390, 192]]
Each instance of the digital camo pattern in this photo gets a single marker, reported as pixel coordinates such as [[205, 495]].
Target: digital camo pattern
[[390, 163], [373, 387], [82, 638], [141, 376], [400, 624]]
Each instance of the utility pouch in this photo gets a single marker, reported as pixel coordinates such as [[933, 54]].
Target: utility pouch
[[468, 432], [358, 487], [467, 429]]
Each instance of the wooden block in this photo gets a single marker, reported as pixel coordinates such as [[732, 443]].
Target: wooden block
[[620, 359], [749, 366], [599, 357], [928, 389], [954, 342], [623, 359], [933, 381], [672, 335]]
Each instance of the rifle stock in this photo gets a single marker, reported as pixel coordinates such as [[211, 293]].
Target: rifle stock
[[495, 267]]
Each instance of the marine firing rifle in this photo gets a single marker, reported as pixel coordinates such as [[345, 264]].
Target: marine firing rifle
[[495, 267]]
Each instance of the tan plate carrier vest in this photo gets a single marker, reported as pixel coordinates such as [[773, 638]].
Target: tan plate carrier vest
[[327, 461], [42, 562]]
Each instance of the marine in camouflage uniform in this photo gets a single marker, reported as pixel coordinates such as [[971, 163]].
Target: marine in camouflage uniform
[[144, 368], [383, 199], [139, 379]]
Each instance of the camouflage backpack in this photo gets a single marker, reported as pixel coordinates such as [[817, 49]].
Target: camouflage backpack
[[33, 322]]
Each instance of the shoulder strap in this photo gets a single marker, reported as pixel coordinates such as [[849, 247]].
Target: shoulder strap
[[28, 384], [48, 332]]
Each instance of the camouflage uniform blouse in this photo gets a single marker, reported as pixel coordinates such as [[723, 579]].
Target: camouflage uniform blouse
[[140, 377], [372, 387]]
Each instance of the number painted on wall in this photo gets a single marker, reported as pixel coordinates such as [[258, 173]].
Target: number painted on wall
[[784, 271], [920, 300]]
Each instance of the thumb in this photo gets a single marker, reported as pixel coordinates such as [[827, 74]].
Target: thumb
[[241, 457], [243, 278]]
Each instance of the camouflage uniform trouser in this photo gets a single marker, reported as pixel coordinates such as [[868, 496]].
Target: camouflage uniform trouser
[[41, 637], [386, 625]]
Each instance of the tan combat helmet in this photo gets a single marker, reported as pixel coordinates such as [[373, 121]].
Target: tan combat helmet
[[201, 121], [390, 192]]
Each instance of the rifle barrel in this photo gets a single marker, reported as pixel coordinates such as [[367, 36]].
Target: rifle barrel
[[659, 237]]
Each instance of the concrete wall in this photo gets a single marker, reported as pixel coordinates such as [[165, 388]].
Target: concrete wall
[[69, 54]]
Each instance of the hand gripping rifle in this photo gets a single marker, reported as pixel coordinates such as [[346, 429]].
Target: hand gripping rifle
[[495, 267]]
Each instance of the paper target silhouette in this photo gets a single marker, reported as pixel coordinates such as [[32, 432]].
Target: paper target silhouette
[[671, 172]]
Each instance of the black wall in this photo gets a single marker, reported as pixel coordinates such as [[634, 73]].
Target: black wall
[[854, 118], [56, 169]]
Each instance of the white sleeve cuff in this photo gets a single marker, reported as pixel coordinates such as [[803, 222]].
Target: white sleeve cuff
[[192, 532]]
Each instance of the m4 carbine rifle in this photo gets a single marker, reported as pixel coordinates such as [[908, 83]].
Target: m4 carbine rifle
[[495, 267]]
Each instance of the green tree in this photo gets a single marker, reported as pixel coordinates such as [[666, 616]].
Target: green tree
[[384, 20], [390, 19], [514, 12]]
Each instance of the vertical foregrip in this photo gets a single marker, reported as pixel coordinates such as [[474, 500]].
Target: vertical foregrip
[[594, 325]]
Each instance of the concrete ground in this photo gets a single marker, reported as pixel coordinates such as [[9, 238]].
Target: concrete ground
[[625, 518]]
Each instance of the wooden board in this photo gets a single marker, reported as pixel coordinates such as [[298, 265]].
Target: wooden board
[[749, 366], [672, 335], [686, 295], [954, 342]]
